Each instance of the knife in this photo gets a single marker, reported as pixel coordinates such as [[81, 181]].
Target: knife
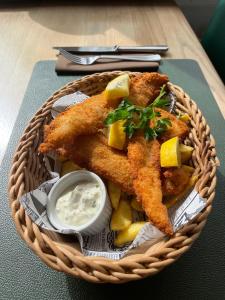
[[116, 49]]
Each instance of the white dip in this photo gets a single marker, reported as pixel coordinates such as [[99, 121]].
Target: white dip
[[77, 206]]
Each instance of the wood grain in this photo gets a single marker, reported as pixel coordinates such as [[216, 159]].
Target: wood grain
[[27, 35]]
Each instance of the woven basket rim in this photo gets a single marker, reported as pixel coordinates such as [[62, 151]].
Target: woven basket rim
[[63, 257]]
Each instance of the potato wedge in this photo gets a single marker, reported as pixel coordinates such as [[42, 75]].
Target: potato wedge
[[185, 152], [136, 205], [188, 169], [114, 194], [128, 234], [122, 217], [68, 166], [62, 158]]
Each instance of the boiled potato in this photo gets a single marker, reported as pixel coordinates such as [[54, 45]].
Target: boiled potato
[[128, 234], [114, 194], [122, 217], [62, 158], [136, 205], [68, 167], [193, 180], [188, 169], [185, 152]]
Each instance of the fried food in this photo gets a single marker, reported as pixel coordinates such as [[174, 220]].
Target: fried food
[[87, 117], [174, 181], [92, 152], [75, 134], [145, 168], [83, 118], [178, 127], [144, 88]]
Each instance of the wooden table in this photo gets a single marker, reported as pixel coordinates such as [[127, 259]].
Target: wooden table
[[27, 35]]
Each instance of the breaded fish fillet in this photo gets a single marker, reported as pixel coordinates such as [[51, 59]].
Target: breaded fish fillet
[[178, 128], [92, 152], [87, 117], [83, 118], [174, 181], [144, 88], [144, 158]]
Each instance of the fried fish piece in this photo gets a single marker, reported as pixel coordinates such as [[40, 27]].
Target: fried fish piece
[[144, 88], [144, 158], [178, 127], [174, 181], [92, 152], [83, 118], [87, 117]]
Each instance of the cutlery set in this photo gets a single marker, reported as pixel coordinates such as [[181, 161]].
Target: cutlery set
[[90, 55]]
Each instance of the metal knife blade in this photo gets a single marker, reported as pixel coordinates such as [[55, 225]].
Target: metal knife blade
[[116, 49]]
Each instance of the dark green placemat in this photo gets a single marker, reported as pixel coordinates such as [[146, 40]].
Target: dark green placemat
[[198, 274]]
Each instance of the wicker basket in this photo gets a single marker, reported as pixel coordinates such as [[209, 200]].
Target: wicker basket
[[58, 251]]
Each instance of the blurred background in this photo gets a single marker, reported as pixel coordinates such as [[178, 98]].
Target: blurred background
[[198, 13]]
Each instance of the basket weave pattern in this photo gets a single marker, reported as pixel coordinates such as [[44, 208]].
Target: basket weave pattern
[[28, 171]]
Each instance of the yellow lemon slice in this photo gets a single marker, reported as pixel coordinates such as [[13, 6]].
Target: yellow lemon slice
[[118, 87], [185, 152], [170, 153], [117, 136], [128, 234], [185, 118]]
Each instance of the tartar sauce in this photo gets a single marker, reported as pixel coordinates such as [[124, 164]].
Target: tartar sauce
[[77, 206]]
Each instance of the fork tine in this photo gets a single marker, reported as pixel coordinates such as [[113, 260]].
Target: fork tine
[[71, 57]]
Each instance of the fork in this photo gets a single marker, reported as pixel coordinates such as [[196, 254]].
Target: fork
[[89, 60]]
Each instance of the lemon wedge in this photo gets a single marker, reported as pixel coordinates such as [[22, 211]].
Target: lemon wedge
[[170, 153], [185, 118], [185, 152], [117, 135], [118, 87]]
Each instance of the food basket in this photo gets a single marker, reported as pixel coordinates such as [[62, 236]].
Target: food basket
[[62, 253]]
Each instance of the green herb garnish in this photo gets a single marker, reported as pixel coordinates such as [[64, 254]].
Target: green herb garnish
[[138, 118]]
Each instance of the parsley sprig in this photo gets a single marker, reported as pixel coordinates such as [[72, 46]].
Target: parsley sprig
[[140, 118]]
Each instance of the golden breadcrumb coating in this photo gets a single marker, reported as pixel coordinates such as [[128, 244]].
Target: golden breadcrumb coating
[[144, 158], [144, 88]]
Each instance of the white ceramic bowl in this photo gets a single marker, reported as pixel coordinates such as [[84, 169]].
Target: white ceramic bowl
[[98, 222]]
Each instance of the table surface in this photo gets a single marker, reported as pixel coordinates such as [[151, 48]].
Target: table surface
[[24, 276], [27, 35]]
